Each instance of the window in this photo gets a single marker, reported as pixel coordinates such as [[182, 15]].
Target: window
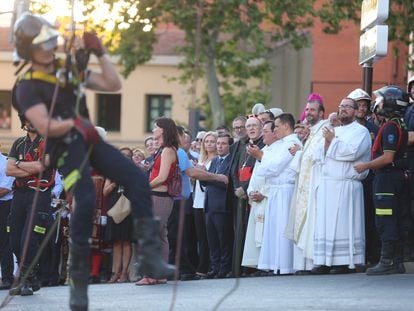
[[157, 106], [5, 110], [109, 111]]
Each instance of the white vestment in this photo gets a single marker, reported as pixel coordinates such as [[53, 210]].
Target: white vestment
[[301, 223], [277, 251], [255, 225], [339, 230]]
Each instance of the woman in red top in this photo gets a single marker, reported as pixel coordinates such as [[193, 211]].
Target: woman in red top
[[166, 137]]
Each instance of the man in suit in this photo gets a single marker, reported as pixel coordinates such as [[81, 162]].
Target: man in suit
[[218, 213]]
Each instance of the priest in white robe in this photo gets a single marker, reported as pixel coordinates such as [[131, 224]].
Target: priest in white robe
[[257, 192], [339, 231], [277, 251], [301, 223]]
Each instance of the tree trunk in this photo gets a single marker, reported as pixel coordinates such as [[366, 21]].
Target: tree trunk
[[217, 107]]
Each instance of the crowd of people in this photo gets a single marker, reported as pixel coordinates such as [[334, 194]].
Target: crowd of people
[[273, 196]]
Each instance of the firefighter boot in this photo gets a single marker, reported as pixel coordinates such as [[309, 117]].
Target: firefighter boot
[[79, 261], [399, 257], [150, 262], [23, 287], [34, 281], [386, 264]]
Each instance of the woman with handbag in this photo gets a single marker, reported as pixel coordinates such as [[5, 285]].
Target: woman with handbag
[[208, 151], [165, 162], [119, 229]]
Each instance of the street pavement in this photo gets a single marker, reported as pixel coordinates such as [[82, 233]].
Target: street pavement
[[326, 292]]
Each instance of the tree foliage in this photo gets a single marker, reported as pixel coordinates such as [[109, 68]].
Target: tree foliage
[[227, 42]]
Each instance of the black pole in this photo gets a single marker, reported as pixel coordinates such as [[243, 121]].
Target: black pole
[[367, 73]]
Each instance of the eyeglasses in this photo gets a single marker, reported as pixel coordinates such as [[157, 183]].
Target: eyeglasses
[[239, 128], [346, 107]]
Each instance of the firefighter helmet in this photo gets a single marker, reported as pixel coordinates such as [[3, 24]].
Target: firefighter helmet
[[359, 94], [394, 100], [32, 31]]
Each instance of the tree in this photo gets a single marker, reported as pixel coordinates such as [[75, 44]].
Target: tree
[[226, 42]]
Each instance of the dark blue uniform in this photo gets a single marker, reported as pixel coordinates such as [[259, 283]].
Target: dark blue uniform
[[389, 181], [24, 149]]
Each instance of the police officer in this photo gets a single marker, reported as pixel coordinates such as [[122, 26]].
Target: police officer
[[24, 164], [389, 164], [75, 146]]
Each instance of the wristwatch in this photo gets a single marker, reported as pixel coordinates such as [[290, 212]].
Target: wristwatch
[[17, 163]]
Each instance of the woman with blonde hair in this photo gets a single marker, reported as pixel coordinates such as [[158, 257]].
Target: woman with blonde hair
[[165, 162], [208, 151]]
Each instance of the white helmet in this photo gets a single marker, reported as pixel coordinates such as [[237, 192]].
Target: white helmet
[[359, 94], [258, 108]]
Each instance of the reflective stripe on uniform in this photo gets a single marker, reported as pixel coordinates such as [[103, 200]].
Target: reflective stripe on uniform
[[38, 229], [384, 193], [383, 211], [8, 229], [71, 179]]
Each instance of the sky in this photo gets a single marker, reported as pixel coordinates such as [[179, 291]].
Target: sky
[[63, 7], [5, 6], [58, 6]]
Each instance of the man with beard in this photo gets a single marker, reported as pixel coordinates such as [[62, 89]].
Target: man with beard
[[241, 169], [339, 219], [364, 108], [372, 240], [25, 164], [301, 223]]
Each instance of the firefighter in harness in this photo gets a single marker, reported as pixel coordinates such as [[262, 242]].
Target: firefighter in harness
[[74, 145], [24, 163], [389, 162]]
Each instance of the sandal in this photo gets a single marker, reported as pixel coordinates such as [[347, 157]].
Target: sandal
[[146, 281], [123, 279], [114, 278]]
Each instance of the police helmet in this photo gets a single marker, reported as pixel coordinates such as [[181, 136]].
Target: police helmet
[[410, 85], [32, 31], [395, 100]]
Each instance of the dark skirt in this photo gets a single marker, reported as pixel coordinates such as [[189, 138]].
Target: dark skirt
[[119, 232], [124, 231]]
